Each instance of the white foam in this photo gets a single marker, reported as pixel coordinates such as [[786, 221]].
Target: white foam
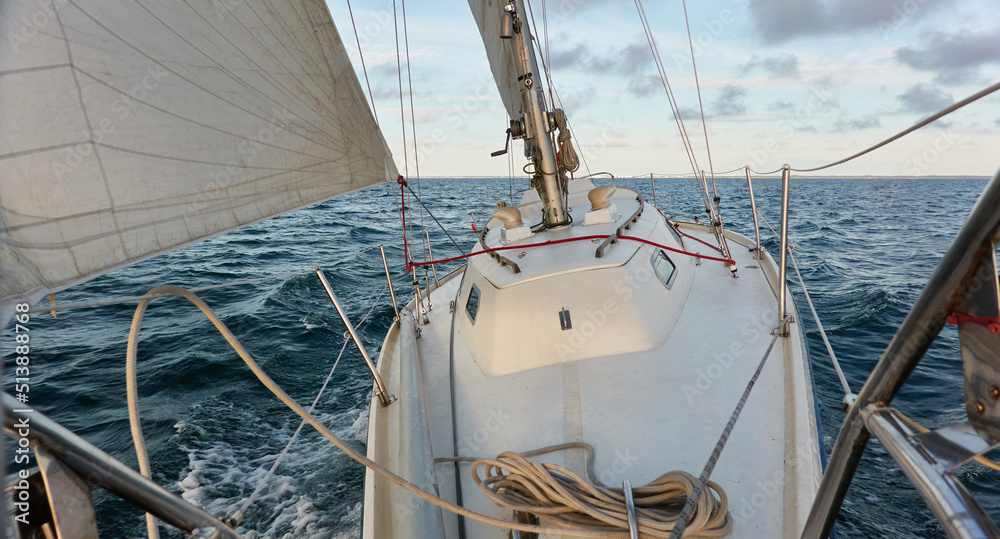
[[296, 502]]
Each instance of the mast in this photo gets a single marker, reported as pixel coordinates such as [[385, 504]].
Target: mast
[[536, 124]]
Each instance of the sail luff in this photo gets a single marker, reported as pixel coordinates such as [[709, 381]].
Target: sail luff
[[134, 127], [488, 14]]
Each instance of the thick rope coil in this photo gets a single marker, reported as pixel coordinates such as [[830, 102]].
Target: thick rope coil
[[569, 158], [562, 499], [309, 418]]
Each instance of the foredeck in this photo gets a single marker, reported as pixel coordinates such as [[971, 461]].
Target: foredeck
[[645, 413]]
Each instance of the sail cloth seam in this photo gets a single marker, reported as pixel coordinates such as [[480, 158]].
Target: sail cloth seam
[[305, 20], [200, 162], [22, 153], [189, 120], [129, 208], [272, 120], [277, 391], [263, 72], [90, 133], [33, 69]]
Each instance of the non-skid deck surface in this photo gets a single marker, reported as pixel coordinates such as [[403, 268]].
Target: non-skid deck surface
[[651, 412]]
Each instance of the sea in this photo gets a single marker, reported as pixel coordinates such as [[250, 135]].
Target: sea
[[865, 248]]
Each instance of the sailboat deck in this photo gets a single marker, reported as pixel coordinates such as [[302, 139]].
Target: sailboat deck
[[645, 413]]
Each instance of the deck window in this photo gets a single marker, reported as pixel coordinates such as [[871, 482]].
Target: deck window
[[472, 305], [665, 269]]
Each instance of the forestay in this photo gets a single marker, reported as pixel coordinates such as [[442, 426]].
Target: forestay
[[488, 17], [134, 127]]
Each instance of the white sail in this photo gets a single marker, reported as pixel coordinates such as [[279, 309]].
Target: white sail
[[133, 127], [488, 18]]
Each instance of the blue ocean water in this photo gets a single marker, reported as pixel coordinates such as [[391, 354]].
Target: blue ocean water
[[865, 247]]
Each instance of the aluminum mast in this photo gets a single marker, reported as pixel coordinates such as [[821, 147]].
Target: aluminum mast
[[537, 123]]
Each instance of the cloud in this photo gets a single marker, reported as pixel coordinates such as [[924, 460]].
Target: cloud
[[644, 85], [691, 114], [630, 60], [782, 20], [848, 123], [730, 102], [956, 58], [781, 105], [781, 66], [923, 98]]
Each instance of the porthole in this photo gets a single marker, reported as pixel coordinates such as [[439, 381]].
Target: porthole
[[664, 268], [472, 305]]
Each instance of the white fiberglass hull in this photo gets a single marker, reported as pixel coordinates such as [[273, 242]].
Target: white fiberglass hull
[[645, 412]]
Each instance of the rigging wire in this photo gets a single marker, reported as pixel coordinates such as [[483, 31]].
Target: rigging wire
[[692, 500], [260, 485], [974, 97], [819, 324], [701, 106], [364, 69], [685, 139], [553, 92], [425, 238], [443, 229], [402, 122]]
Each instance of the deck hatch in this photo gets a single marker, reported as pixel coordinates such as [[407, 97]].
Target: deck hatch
[[665, 269]]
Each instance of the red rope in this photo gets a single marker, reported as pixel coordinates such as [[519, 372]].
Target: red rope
[[991, 323], [677, 228], [568, 240], [402, 217]]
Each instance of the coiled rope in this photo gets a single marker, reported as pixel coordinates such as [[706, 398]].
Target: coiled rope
[[568, 156], [561, 498], [133, 405]]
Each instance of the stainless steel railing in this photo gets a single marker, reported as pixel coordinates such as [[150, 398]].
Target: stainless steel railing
[[965, 276], [383, 396], [98, 468]]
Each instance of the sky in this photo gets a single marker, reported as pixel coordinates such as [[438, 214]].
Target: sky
[[803, 82]]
